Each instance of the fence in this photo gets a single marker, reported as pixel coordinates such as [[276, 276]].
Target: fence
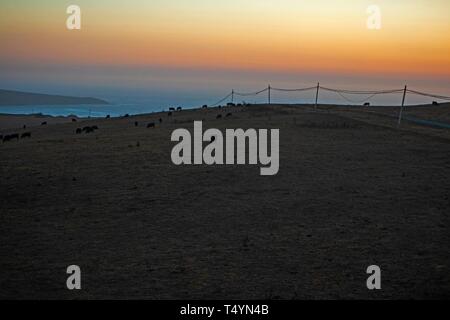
[[343, 93]]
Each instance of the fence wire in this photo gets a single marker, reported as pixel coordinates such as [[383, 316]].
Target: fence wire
[[251, 93], [429, 95], [341, 92]]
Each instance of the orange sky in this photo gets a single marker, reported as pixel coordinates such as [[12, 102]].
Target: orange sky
[[276, 35]]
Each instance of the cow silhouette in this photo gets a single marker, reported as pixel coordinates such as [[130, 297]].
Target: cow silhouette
[[10, 137]]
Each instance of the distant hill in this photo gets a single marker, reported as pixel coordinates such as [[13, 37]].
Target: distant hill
[[18, 98]]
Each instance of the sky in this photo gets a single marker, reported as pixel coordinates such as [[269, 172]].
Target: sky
[[206, 47]]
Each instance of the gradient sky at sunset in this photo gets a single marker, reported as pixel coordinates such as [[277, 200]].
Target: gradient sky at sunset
[[198, 43]]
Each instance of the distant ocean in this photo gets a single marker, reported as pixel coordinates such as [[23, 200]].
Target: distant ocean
[[82, 111], [120, 107]]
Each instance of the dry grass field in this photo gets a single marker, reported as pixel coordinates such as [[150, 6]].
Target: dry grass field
[[353, 190]]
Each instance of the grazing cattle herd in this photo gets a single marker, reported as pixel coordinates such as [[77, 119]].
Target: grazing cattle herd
[[90, 129], [93, 128]]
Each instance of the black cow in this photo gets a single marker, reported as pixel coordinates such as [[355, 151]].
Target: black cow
[[171, 109], [126, 115], [78, 131], [169, 114], [179, 108], [108, 116], [89, 129], [229, 114], [151, 125], [219, 116], [44, 123], [367, 104], [25, 135], [435, 103], [205, 106], [9, 137], [74, 120]]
